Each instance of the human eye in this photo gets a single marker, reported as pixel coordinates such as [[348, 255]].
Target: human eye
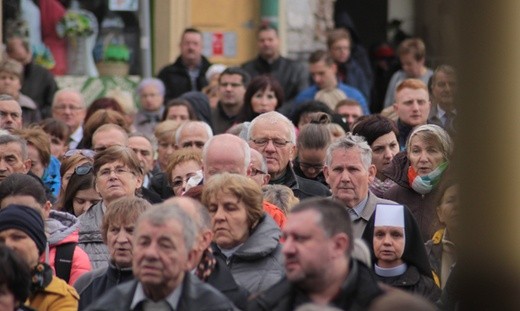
[[80, 200], [279, 142], [3, 114], [397, 234], [378, 149], [130, 229], [105, 172], [337, 169], [393, 146], [121, 170], [177, 183], [15, 115], [230, 207], [260, 141], [212, 208], [114, 229], [143, 241]]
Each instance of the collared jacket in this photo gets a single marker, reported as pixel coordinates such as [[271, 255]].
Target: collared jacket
[[95, 284], [90, 239], [177, 80], [62, 228], [423, 207], [222, 279], [195, 296], [358, 291], [302, 187], [56, 296], [258, 263], [292, 75]]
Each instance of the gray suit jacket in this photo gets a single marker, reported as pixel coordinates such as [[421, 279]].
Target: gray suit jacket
[[359, 225]]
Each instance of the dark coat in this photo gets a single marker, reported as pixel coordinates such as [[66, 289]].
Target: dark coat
[[302, 187], [195, 296], [292, 75], [414, 282], [40, 86], [423, 207], [357, 293], [222, 279], [92, 285], [177, 80]]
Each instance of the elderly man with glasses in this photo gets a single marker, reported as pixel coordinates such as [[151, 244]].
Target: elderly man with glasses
[[273, 135]]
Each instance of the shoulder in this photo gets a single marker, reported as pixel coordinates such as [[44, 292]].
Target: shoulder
[[312, 187], [199, 296], [118, 298], [88, 278], [278, 294]]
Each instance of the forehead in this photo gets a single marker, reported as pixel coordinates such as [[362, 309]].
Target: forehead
[[192, 37], [109, 137], [68, 98], [444, 76], [10, 106], [112, 164], [271, 128], [319, 66], [11, 148], [5, 72], [219, 154], [171, 229], [26, 200], [149, 88], [138, 142], [301, 222], [388, 229], [341, 42], [178, 109], [194, 132], [349, 109], [267, 34], [351, 156], [409, 94], [231, 78]]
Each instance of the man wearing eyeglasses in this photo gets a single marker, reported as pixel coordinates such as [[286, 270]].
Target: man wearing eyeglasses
[[232, 86], [273, 135], [69, 106]]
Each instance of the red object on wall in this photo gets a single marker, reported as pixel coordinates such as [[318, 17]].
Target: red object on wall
[[218, 43]]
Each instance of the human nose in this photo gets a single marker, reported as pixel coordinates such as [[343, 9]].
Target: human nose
[[345, 176], [219, 215], [287, 246], [388, 153]]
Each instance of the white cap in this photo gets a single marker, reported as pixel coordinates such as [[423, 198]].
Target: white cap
[[391, 215], [215, 69]]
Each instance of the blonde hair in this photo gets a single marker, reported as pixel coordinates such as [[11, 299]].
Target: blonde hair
[[166, 130]]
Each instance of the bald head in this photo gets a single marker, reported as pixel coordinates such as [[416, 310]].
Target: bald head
[[193, 134], [225, 153]]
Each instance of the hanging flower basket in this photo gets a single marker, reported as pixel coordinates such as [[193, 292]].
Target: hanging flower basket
[[115, 59], [74, 24]]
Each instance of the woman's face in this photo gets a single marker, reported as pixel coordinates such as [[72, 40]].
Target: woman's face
[[151, 99], [83, 200], [229, 220], [178, 113], [181, 174], [68, 174], [264, 100], [119, 244], [7, 300], [424, 156], [384, 148], [37, 167], [311, 161], [115, 180], [448, 208], [389, 246], [165, 149]]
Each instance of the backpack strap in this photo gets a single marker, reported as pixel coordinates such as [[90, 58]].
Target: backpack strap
[[63, 260]]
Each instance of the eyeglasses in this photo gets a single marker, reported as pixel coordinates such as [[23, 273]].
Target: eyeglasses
[[83, 169], [63, 108], [277, 142], [255, 171], [84, 152], [309, 166], [197, 144], [178, 182], [118, 171]]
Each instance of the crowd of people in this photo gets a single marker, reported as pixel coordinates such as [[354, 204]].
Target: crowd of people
[[269, 186]]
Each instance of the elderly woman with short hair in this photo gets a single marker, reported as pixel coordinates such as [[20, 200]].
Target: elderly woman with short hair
[[118, 174], [244, 236], [418, 173], [117, 229]]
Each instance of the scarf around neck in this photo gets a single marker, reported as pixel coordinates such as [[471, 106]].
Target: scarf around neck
[[425, 184]]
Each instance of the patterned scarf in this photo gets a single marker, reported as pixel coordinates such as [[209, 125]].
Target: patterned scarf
[[206, 265], [425, 184]]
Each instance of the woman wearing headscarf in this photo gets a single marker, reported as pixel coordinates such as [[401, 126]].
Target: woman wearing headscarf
[[418, 172], [398, 252]]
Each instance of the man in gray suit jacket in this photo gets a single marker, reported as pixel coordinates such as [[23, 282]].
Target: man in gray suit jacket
[[348, 171]]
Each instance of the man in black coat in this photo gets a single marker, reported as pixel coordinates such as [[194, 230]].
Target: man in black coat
[[318, 264], [188, 72]]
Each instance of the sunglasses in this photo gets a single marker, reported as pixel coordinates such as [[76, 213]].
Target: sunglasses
[[84, 152], [83, 169]]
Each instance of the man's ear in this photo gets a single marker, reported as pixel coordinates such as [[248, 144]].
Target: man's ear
[[47, 209], [372, 170], [27, 165], [190, 263], [267, 178], [340, 244]]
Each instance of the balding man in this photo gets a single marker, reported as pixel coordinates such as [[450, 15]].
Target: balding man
[[69, 106], [219, 276], [273, 135], [192, 134], [10, 113], [109, 135]]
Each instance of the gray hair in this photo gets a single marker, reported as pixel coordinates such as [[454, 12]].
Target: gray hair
[[245, 148], [159, 85], [160, 214], [191, 124], [263, 161], [432, 130], [151, 139], [58, 93], [6, 97], [273, 117], [9, 138], [351, 141]]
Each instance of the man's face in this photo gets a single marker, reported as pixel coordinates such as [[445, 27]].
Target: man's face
[[340, 50], [411, 66], [306, 248], [412, 106], [178, 113], [193, 137], [11, 160], [160, 255], [388, 246], [384, 148], [350, 114], [444, 89], [323, 75], [150, 97], [17, 51], [21, 244], [191, 47], [275, 145], [108, 138], [231, 90], [119, 244], [10, 115], [10, 84], [268, 44], [144, 150], [347, 176], [220, 160], [69, 109]]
